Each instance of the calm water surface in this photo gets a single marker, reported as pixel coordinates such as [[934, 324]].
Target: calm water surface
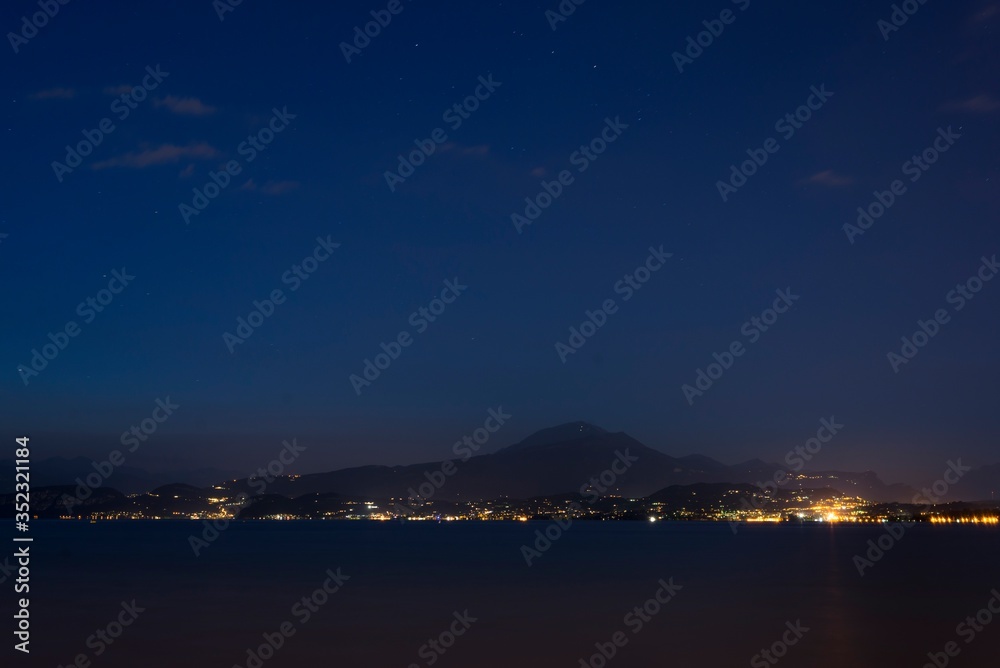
[[407, 581]]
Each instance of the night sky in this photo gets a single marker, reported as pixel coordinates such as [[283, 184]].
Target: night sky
[[608, 68]]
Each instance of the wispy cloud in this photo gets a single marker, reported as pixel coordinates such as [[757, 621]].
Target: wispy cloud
[[53, 94], [118, 90], [829, 178], [279, 187], [272, 187], [980, 104], [477, 150], [186, 106], [161, 155], [986, 13]]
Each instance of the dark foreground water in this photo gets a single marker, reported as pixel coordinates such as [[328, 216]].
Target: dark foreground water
[[739, 594]]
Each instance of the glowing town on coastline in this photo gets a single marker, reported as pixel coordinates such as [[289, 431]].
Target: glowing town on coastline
[[708, 502]]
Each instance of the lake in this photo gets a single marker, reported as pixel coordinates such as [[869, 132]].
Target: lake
[[723, 597]]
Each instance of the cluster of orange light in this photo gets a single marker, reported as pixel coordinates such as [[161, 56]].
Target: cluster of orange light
[[965, 520]]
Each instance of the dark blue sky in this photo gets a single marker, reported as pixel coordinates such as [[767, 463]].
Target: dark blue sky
[[656, 184]]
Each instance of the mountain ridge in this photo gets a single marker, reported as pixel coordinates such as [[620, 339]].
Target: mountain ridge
[[556, 460]]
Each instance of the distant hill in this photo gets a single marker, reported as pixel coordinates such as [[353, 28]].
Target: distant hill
[[128, 479], [49, 502], [553, 461], [560, 460], [982, 484], [565, 433]]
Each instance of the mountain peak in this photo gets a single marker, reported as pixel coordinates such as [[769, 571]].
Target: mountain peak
[[563, 433]]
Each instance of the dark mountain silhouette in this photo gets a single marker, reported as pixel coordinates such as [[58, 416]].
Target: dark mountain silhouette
[[128, 479], [552, 461], [981, 484], [571, 431], [50, 502]]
